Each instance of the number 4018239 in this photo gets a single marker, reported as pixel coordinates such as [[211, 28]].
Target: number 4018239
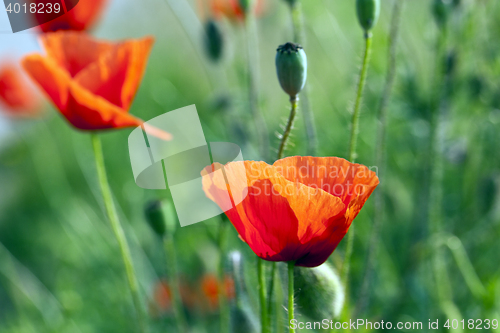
[[34, 8], [471, 324]]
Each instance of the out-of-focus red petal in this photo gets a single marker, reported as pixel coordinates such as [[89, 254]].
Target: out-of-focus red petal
[[53, 80], [74, 51], [16, 94], [117, 74], [81, 17]]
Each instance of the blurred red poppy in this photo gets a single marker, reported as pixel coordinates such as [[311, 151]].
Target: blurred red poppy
[[297, 209], [16, 95], [81, 17], [231, 9], [92, 83], [163, 296], [210, 289]]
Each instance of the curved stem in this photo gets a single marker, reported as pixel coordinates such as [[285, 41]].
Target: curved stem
[[168, 245], [299, 38], [117, 229], [380, 154], [289, 126], [262, 296], [291, 316], [352, 146]]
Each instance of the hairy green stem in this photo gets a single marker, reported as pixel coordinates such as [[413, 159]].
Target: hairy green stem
[[117, 229], [299, 38], [352, 147], [288, 129], [363, 299], [264, 319], [291, 265], [169, 247]]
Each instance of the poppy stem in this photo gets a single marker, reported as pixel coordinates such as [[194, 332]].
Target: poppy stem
[[352, 146], [169, 247], [223, 301], [299, 38], [364, 296], [288, 129], [291, 266], [117, 229], [270, 291], [262, 296]]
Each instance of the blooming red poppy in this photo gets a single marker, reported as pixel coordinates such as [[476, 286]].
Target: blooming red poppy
[[297, 209], [16, 95], [81, 17], [92, 83]]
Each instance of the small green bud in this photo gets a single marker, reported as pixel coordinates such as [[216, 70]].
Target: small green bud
[[214, 41], [161, 217], [291, 67], [242, 317], [292, 3], [246, 5], [368, 12], [319, 293], [440, 10]]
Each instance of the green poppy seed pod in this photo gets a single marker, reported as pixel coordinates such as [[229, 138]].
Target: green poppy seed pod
[[319, 293], [242, 317], [246, 5], [214, 40], [440, 10], [291, 67], [161, 217], [368, 12]]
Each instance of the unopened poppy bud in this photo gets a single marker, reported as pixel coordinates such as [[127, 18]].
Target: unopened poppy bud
[[292, 2], [246, 5], [161, 217], [319, 293], [440, 10], [214, 41], [291, 67], [368, 12], [242, 317]]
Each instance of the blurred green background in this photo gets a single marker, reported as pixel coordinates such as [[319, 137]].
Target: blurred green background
[[60, 268]]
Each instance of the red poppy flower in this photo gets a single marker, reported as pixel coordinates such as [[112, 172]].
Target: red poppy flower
[[81, 17], [297, 209], [16, 95], [92, 83]]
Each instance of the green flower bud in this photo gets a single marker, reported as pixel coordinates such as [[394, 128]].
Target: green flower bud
[[368, 12], [246, 5], [440, 10], [292, 3], [319, 293], [242, 317], [214, 41], [161, 217], [291, 67]]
